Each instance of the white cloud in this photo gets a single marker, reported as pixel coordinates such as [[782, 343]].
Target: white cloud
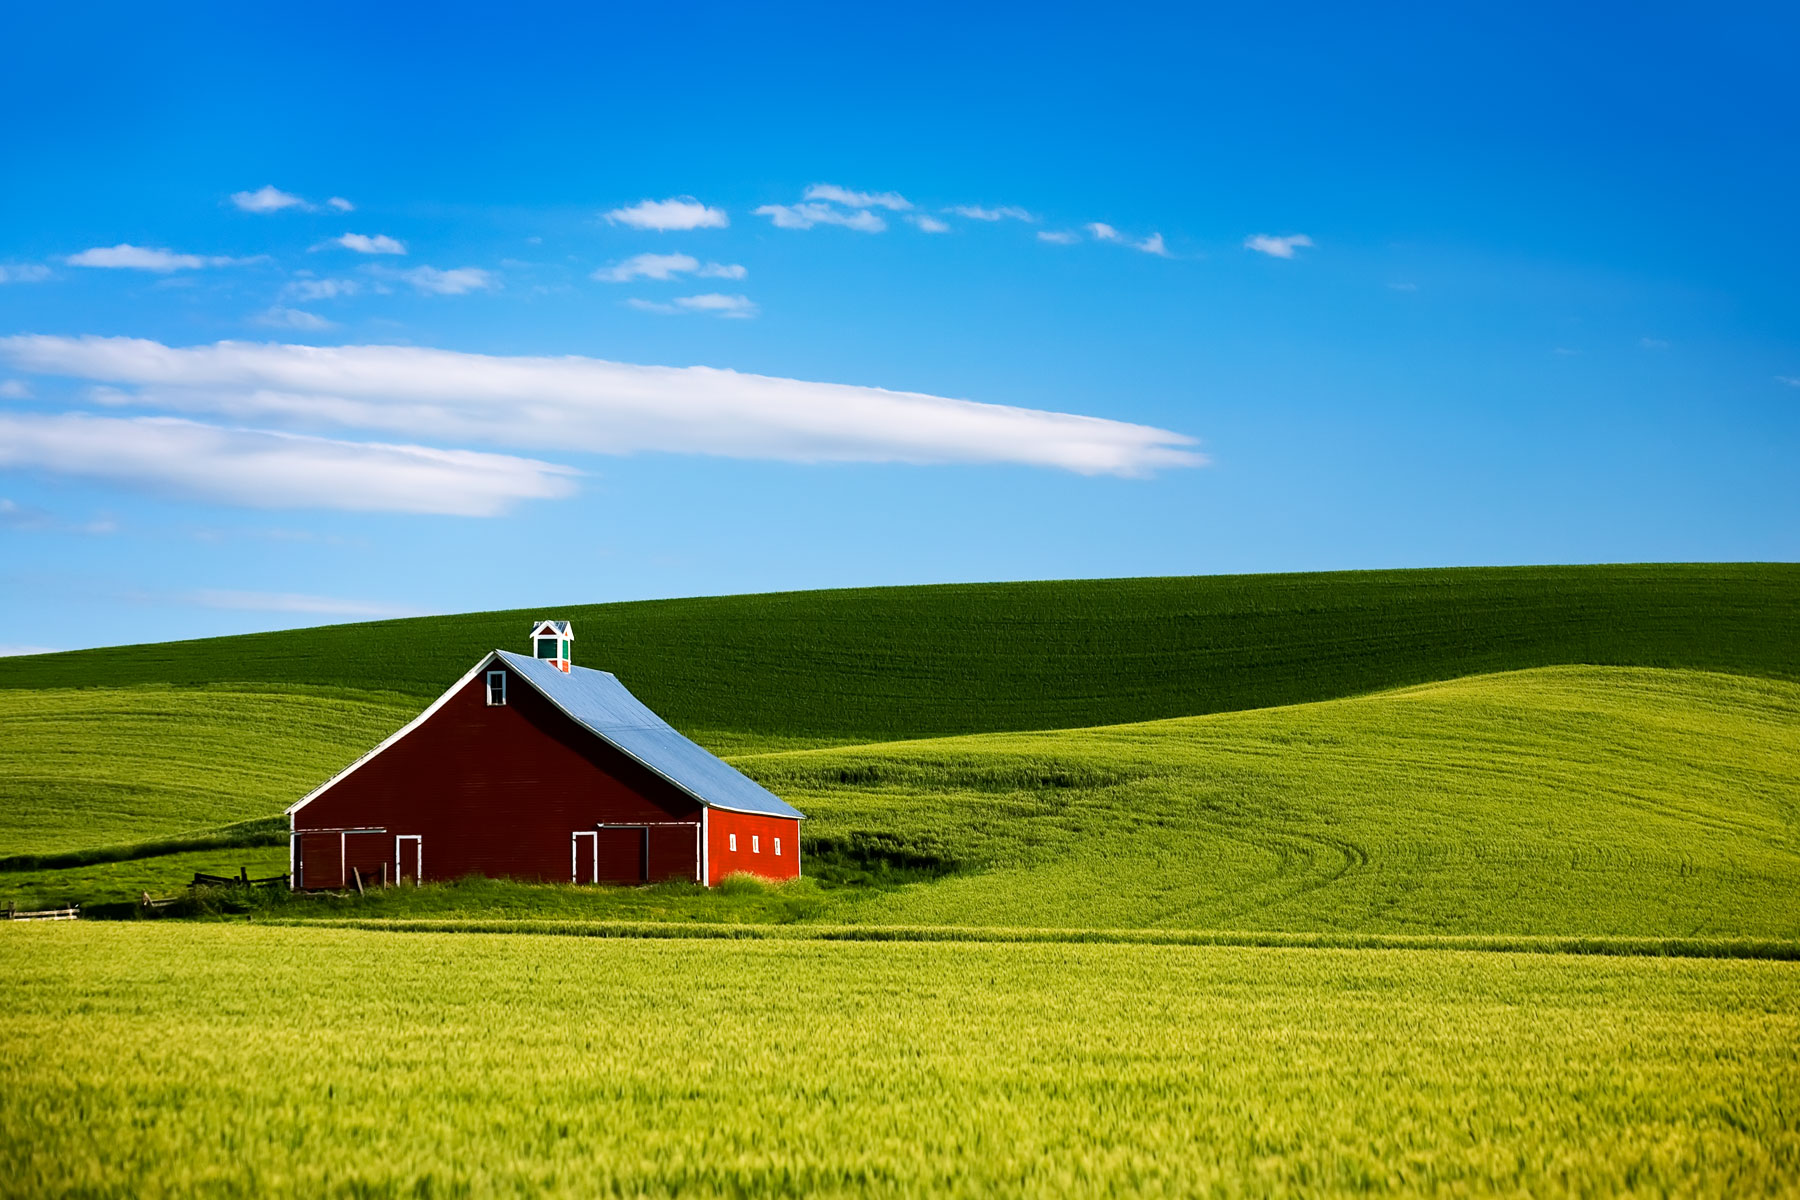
[[267, 199], [293, 318], [1103, 232], [653, 306], [583, 404], [929, 224], [14, 389], [294, 602], [1058, 237], [648, 266], [362, 243], [1404, 287], [1276, 247], [682, 212], [718, 305], [145, 258], [23, 272], [339, 204], [1152, 245], [13, 650], [262, 469], [1650, 343], [37, 520], [1788, 380], [666, 267], [805, 216], [455, 282], [976, 212], [321, 289], [831, 193]]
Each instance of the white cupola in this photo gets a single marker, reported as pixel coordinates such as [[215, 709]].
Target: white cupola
[[554, 642]]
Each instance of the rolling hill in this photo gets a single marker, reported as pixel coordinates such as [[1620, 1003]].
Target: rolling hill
[[814, 668]]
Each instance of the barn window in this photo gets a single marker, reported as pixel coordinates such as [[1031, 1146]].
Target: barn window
[[734, 843], [755, 844], [496, 692], [777, 847], [548, 648]]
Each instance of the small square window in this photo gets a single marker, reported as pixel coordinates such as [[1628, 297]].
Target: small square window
[[777, 847], [496, 687], [734, 843], [755, 844]]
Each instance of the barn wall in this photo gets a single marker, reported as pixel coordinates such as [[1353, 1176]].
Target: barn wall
[[752, 832], [498, 790]]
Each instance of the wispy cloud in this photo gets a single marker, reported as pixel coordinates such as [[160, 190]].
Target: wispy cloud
[[805, 216], [14, 389], [267, 199], [665, 267], [1005, 212], [294, 602], [125, 256], [831, 193], [23, 272], [718, 305], [292, 318], [25, 518], [1404, 287], [339, 204], [929, 224], [320, 289], [262, 469], [1792, 381], [15, 650], [455, 282], [1276, 247], [1102, 232], [1058, 237], [584, 404], [363, 243], [1152, 245], [682, 212], [1650, 343]]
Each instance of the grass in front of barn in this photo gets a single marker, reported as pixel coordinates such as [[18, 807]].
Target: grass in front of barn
[[182, 1059]]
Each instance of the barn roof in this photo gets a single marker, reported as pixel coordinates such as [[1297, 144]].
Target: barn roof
[[600, 703]]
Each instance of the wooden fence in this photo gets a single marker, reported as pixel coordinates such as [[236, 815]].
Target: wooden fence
[[70, 913]]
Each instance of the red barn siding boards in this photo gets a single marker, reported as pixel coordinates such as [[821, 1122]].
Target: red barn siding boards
[[526, 790], [756, 851]]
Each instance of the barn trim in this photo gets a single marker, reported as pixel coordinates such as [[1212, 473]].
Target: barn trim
[[491, 657]]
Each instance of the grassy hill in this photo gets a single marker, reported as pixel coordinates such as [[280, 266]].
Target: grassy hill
[[879, 664], [1571, 800], [94, 766]]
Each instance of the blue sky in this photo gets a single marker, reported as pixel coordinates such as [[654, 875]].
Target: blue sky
[[1328, 290]]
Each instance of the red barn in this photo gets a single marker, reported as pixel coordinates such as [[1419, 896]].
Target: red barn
[[530, 767]]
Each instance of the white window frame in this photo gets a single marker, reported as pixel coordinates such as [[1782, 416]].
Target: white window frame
[[755, 844], [733, 838], [491, 677], [777, 847]]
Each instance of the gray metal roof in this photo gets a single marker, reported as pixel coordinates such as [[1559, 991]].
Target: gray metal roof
[[598, 701]]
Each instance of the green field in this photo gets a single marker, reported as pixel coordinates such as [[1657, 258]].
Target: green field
[[1457, 882], [182, 1060], [886, 663], [93, 766]]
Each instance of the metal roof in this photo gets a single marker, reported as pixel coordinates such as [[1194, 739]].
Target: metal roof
[[599, 702]]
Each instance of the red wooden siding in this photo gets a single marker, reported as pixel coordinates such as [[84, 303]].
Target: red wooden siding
[[499, 790], [755, 853]]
